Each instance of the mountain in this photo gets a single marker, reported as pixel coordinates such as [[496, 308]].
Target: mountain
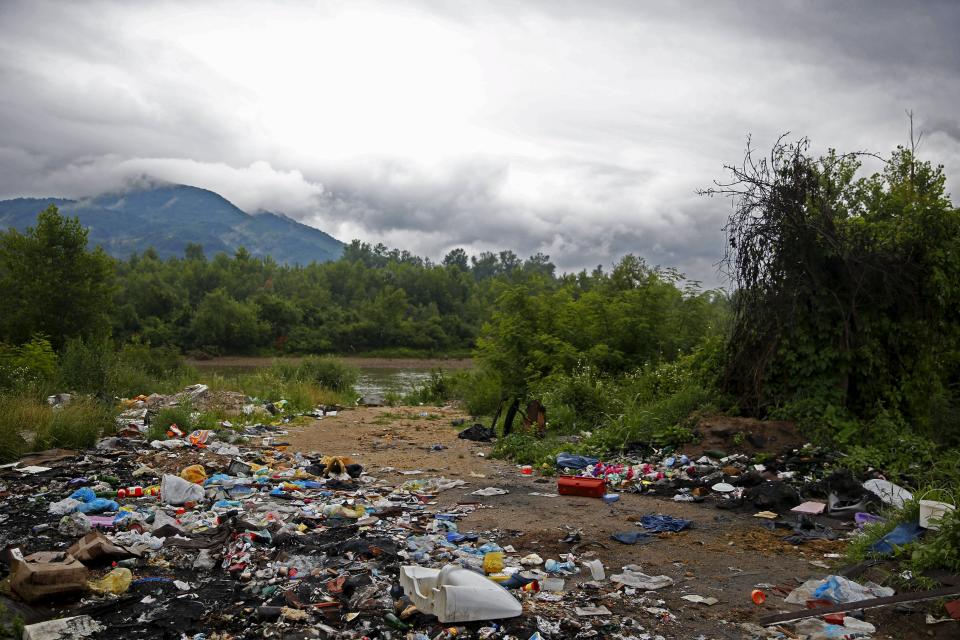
[[169, 217]]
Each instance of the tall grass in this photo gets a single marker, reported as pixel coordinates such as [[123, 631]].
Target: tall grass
[[27, 423], [304, 385]]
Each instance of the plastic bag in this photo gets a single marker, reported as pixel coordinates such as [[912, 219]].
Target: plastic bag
[[194, 473], [98, 505], [117, 582], [63, 507], [84, 494], [75, 525], [176, 491], [841, 590], [572, 461]]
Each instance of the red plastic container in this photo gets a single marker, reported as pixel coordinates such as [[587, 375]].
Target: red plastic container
[[576, 486]]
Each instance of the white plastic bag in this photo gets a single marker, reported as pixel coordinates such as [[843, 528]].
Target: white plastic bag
[[176, 491]]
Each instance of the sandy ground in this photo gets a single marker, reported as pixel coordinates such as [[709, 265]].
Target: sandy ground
[[724, 556]]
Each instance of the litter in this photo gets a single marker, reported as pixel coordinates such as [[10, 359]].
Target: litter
[[810, 508], [633, 537], [633, 577], [709, 601], [902, 534], [891, 494], [46, 575], [660, 523], [62, 628], [836, 589], [592, 611], [490, 491], [457, 595]]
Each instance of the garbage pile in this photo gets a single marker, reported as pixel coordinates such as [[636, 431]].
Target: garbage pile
[[799, 482], [200, 536], [796, 494]]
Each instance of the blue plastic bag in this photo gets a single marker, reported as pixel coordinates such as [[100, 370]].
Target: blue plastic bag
[[903, 533], [84, 494], [573, 461], [98, 505]]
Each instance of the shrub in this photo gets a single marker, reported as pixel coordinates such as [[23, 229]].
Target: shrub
[[327, 372], [179, 415], [76, 425], [20, 418], [28, 367], [435, 390], [85, 365], [478, 389]]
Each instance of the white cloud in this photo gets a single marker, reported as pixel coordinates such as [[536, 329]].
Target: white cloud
[[578, 129]]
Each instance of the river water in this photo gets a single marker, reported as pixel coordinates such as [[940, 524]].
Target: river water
[[378, 378]]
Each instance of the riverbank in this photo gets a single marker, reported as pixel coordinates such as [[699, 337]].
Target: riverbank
[[361, 362]]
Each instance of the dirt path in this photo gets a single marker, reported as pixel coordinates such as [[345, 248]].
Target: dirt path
[[724, 556]]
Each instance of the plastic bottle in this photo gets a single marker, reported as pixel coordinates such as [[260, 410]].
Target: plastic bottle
[[554, 566]]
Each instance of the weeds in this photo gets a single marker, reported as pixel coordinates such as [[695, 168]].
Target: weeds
[[28, 423]]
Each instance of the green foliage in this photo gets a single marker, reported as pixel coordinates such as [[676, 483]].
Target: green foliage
[[614, 322], [942, 550], [479, 390], [95, 366], [223, 322], [847, 295], [29, 424], [76, 425], [329, 373], [29, 366], [20, 417], [85, 365], [436, 390], [180, 415], [51, 284]]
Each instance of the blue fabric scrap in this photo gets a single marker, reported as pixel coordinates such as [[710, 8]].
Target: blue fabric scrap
[[659, 523]]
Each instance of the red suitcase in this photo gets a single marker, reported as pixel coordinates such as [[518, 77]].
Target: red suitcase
[[577, 486]]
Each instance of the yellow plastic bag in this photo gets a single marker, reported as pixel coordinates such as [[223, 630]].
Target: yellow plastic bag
[[194, 473], [117, 582], [493, 562]]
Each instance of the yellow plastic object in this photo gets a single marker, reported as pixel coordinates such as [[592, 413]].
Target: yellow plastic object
[[499, 577], [117, 582], [493, 562], [194, 473]]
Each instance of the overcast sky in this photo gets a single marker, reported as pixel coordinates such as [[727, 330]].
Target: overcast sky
[[580, 129]]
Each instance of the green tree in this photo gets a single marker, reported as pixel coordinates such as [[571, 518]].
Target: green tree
[[847, 288], [225, 323], [50, 283]]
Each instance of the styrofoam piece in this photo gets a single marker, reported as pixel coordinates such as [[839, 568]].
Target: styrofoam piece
[[454, 594], [813, 508]]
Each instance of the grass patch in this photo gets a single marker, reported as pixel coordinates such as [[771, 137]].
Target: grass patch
[[304, 385], [20, 419], [27, 423]]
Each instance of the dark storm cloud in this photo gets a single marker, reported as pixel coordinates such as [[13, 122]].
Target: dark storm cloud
[[579, 129]]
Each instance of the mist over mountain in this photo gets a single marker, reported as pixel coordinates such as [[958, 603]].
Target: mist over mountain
[[169, 217]]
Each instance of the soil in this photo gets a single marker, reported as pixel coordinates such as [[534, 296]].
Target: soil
[[252, 362], [745, 435], [725, 555]]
